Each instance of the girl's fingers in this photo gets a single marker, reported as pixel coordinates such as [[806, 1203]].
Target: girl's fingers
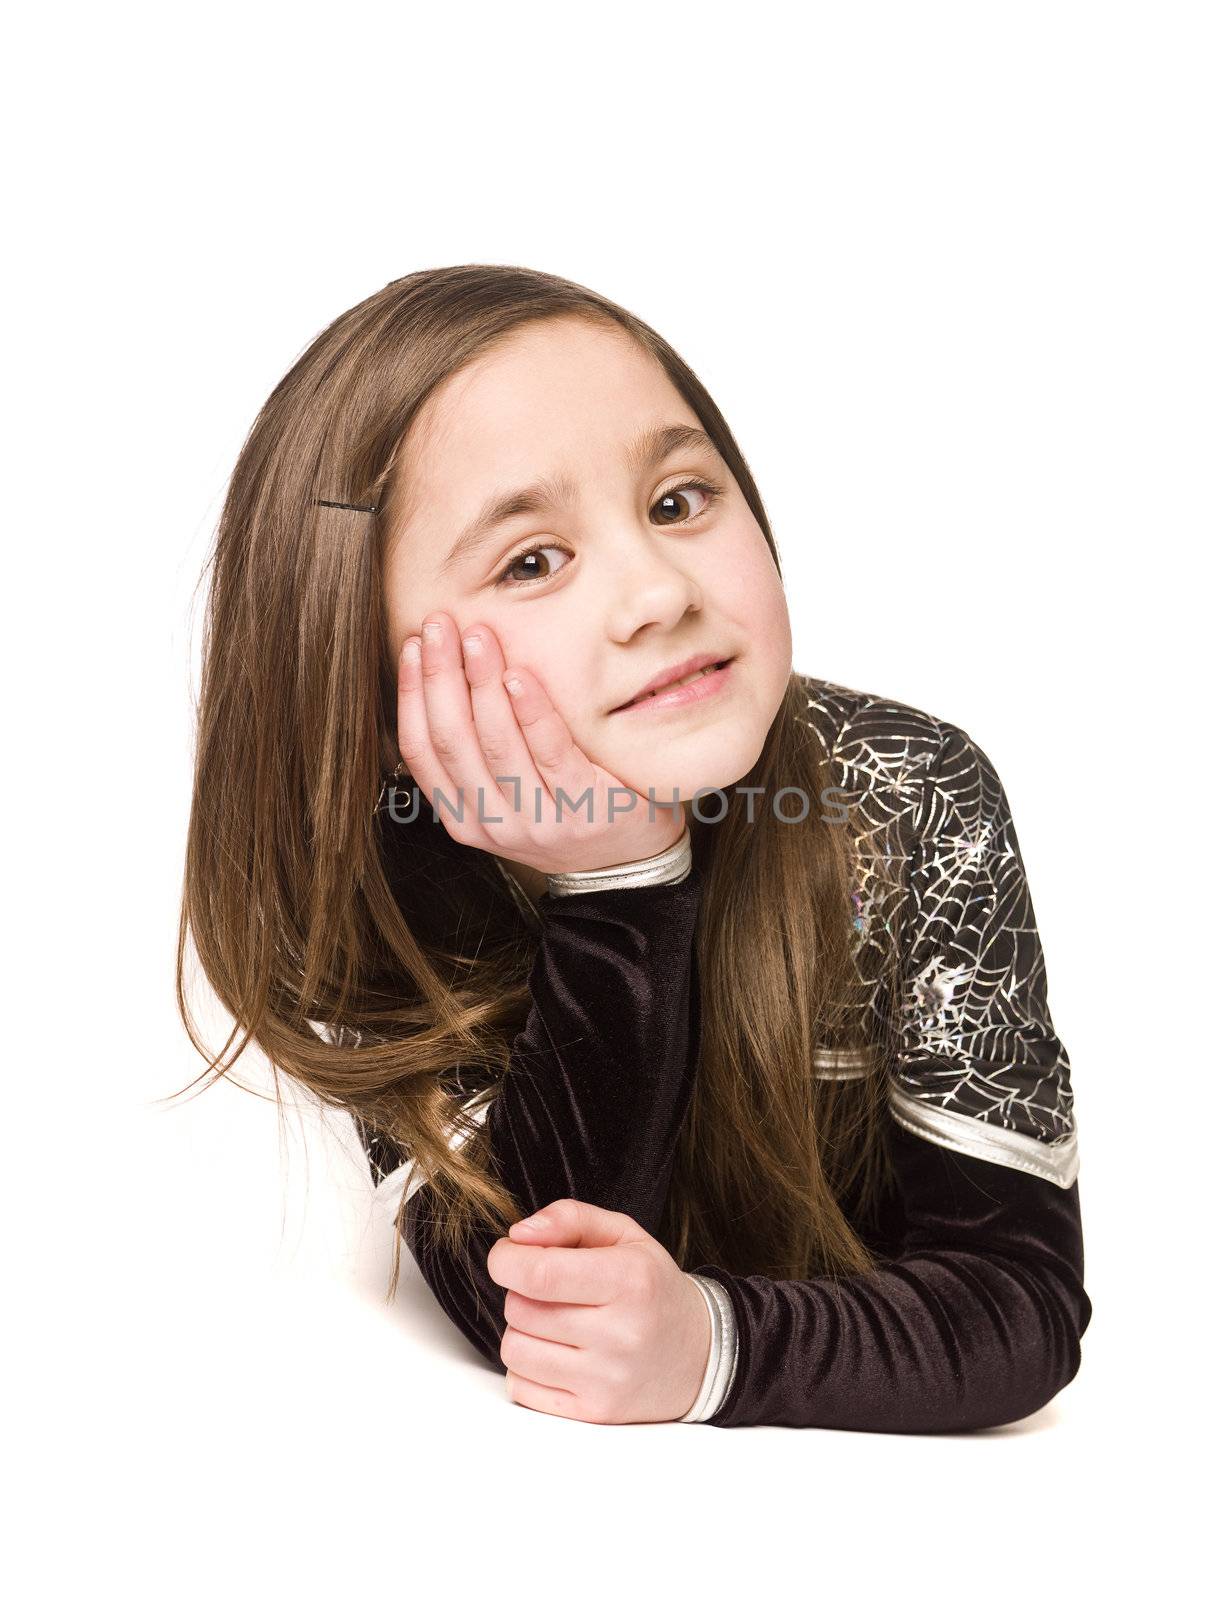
[[450, 723], [542, 1362], [413, 735], [535, 1396], [500, 740], [562, 1321], [476, 729], [558, 1274], [559, 760]]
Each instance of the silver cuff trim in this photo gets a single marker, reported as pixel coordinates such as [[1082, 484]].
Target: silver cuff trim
[[723, 1351], [670, 866], [1056, 1160]]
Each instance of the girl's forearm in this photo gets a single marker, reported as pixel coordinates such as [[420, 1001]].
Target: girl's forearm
[[598, 1084], [976, 1323]]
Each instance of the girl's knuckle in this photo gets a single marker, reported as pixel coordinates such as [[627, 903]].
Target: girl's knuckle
[[625, 1339], [492, 753], [539, 1275], [551, 754]]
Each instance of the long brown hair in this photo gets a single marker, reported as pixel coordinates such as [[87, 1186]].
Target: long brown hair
[[345, 982]]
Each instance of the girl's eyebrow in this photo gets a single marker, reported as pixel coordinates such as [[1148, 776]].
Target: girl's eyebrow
[[650, 447]]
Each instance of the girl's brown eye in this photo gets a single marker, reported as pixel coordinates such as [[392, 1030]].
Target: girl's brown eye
[[515, 568], [514, 576], [674, 498]]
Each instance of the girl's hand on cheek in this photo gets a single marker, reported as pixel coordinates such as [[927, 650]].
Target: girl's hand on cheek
[[602, 1325], [491, 741]]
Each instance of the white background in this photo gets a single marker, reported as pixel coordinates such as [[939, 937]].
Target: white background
[[957, 275]]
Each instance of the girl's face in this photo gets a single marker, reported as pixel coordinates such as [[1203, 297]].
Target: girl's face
[[632, 572]]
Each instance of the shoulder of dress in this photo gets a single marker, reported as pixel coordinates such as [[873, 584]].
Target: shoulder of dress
[[883, 750], [845, 718]]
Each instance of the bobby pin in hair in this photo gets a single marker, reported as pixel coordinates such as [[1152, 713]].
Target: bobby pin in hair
[[342, 506]]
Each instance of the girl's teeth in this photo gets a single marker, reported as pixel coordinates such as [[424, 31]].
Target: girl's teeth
[[691, 677]]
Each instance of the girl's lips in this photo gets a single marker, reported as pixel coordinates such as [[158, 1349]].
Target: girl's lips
[[703, 688]]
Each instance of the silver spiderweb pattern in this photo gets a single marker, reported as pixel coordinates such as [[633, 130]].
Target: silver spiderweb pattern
[[942, 894]]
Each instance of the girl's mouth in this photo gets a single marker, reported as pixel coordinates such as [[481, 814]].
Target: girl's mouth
[[687, 691]]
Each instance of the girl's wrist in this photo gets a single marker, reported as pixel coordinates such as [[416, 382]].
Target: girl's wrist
[[669, 866]]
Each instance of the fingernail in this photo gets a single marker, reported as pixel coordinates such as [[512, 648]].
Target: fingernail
[[527, 1222], [432, 632], [513, 685], [472, 643], [411, 650]]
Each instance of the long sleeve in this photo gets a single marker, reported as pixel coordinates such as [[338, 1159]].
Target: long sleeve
[[977, 1323], [599, 1081], [978, 1319]]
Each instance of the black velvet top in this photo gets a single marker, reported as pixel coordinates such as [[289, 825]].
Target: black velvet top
[[977, 1318]]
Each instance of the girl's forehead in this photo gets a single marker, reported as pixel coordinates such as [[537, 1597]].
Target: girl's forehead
[[535, 417], [570, 383], [468, 472]]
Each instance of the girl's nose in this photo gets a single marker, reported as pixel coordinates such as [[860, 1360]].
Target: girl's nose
[[648, 585]]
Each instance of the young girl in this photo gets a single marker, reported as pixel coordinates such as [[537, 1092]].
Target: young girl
[[695, 1006]]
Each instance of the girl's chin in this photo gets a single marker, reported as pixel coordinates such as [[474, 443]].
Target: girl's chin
[[715, 767], [722, 758], [666, 787]]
